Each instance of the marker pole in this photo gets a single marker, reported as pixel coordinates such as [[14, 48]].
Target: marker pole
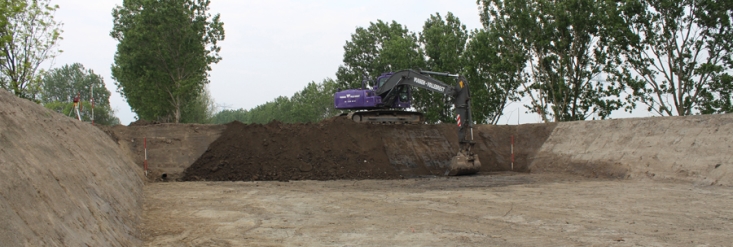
[[512, 153], [145, 146]]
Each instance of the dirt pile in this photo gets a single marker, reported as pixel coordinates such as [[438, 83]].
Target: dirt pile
[[143, 122], [63, 182], [332, 149]]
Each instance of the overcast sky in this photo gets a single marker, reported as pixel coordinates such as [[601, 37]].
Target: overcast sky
[[272, 47]]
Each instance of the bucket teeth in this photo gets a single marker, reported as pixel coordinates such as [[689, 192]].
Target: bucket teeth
[[463, 164]]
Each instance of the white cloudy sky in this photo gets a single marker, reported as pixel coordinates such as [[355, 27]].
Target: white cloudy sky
[[272, 47]]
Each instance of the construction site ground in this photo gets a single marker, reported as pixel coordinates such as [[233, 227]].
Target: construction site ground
[[625, 182], [503, 209]]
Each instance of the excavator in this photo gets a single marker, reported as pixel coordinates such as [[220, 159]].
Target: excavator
[[386, 102]]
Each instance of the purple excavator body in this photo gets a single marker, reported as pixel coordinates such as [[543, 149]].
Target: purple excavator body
[[365, 98]]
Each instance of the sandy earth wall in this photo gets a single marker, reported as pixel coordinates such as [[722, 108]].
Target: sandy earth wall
[[171, 147], [63, 182], [694, 148], [494, 145]]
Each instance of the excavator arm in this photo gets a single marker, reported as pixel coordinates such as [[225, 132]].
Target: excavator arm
[[465, 162]]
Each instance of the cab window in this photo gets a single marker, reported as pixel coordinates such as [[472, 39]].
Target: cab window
[[382, 81]]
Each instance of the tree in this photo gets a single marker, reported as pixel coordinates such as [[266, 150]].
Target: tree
[[28, 36], [200, 110], [315, 102], [444, 41], [312, 104], [494, 66], [382, 47], [227, 116], [677, 55], [164, 54], [102, 115], [61, 85], [565, 55]]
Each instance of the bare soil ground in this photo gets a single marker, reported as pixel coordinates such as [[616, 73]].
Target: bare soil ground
[[505, 209]]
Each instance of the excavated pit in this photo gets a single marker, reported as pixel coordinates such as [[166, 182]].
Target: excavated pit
[[691, 148], [339, 148], [65, 183]]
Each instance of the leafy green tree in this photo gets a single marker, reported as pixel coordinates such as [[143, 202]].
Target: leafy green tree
[[61, 85], [227, 116], [102, 115], [199, 110], [315, 102], [312, 104], [8, 10], [494, 66], [677, 55], [278, 109], [565, 55], [28, 37], [381, 47], [164, 54], [444, 41]]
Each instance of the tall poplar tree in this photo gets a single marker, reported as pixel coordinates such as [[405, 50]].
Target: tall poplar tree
[[566, 54], [164, 55]]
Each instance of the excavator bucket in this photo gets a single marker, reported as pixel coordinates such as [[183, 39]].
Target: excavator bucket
[[463, 164]]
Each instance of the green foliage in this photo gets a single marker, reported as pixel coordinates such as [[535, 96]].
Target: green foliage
[[315, 102], [564, 55], [102, 115], [164, 54], [444, 41], [380, 48], [61, 85], [312, 104], [199, 110], [28, 37], [677, 55], [494, 65]]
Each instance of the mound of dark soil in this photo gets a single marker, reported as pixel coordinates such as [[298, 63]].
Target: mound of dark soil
[[332, 149], [143, 122]]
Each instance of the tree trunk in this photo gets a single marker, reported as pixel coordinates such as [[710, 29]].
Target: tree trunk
[[177, 112]]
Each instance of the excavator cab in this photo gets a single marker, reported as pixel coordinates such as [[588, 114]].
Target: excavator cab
[[382, 79]]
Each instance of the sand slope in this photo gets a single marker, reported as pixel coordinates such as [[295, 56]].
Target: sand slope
[[63, 182], [698, 149]]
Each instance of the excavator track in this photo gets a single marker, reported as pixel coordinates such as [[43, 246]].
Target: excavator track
[[387, 117]]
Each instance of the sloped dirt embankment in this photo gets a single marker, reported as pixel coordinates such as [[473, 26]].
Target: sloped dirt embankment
[[63, 182]]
